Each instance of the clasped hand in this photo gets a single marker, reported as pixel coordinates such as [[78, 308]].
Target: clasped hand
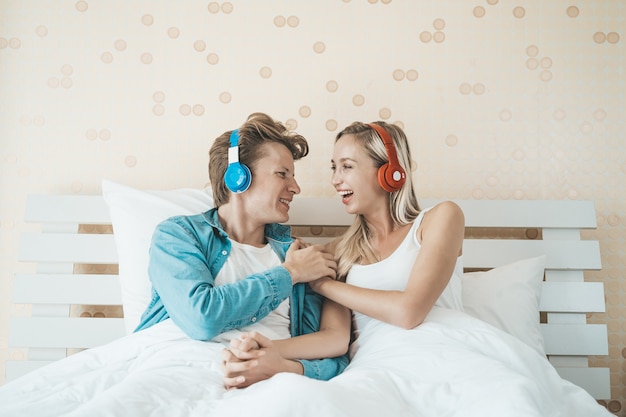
[[252, 358]]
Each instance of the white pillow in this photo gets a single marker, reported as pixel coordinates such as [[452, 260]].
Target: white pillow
[[507, 297], [134, 216]]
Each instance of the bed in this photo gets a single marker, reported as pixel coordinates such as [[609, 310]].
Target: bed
[[521, 347]]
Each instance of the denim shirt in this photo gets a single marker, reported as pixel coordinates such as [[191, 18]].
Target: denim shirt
[[186, 254]]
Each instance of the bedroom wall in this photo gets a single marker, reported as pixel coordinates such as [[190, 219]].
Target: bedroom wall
[[501, 99]]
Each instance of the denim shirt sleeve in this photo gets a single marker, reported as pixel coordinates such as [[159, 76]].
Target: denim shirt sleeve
[[322, 369], [181, 275], [325, 369]]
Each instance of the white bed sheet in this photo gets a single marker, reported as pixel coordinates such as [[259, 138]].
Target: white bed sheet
[[451, 365]]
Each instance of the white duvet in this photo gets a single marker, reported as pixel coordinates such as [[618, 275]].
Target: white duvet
[[451, 365]]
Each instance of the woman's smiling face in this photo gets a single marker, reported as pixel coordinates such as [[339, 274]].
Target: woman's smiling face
[[355, 177]]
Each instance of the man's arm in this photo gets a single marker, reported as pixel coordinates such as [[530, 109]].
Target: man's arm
[[180, 274]]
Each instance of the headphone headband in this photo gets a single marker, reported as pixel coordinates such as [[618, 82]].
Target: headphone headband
[[237, 176], [388, 142], [233, 150], [234, 138]]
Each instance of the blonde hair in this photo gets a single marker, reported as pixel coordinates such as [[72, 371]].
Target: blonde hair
[[258, 129], [354, 246]]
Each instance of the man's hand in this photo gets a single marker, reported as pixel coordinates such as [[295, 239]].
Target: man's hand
[[309, 262], [254, 358]]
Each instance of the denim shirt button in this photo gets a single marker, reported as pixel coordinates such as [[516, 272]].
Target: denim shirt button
[[224, 253], [253, 319]]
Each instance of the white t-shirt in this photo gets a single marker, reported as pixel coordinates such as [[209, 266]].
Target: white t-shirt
[[245, 260]]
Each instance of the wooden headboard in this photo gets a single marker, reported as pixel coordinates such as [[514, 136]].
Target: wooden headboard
[[498, 232]]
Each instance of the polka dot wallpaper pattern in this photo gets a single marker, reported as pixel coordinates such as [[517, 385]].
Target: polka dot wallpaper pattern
[[501, 99]]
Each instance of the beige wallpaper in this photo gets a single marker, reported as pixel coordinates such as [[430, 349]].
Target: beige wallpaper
[[501, 99]]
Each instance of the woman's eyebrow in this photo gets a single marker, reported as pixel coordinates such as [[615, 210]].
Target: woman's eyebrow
[[344, 159]]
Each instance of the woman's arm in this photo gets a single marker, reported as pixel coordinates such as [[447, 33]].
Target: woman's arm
[[332, 339], [441, 236], [254, 357], [333, 336], [319, 351]]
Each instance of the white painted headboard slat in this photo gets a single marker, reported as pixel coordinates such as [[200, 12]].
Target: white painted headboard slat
[[68, 247], [554, 229], [90, 289], [563, 254], [572, 297], [91, 209], [563, 214], [478, 213], [70, 208], [61, 332], [575, 339]]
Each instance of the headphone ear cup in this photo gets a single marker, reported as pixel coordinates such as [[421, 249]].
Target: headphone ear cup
[[237, 177], [386, 178], [391, 176], [382, 179]]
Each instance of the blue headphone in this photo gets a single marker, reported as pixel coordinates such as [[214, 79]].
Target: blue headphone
[[237, 176]]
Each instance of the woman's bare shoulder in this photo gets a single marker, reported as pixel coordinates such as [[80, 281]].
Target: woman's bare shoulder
[[447, 207], [445, 214], [444, 224]]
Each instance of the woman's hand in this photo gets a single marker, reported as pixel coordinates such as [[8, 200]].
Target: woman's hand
[[318, 284]]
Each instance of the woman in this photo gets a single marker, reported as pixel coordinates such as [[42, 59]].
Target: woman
[[397, 261], [402, 267], [234, 269]]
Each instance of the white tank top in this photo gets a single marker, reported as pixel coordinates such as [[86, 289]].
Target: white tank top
[[392, 273]]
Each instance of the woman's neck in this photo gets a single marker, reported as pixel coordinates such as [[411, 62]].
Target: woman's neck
[[384, 235]]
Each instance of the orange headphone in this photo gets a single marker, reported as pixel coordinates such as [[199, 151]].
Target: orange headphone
[[391, 176]]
